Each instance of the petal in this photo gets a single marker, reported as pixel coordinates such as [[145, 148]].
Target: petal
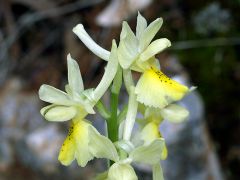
[[76, 144], [157, 172], [67, 152], [174, 113], [52, 95], [149, 33], [108, 75], [59, 113], [100, 146], [157, 90], [128, 47], [81, 138], [46, 108], [150, 133], [148, 154], [154, 48], [120, 171], [88, 41], [141, 25], [74, 76]]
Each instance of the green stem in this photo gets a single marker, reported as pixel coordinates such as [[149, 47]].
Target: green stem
[[112, 122]]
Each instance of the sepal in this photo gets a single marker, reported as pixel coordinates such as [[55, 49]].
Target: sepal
[[55, 96], [74, 76], [128, 47], [148, 154], [154, 48], [174, 113], [149, 33], [141, 25]]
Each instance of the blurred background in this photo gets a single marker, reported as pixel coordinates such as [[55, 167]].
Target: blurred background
[[36, 36]]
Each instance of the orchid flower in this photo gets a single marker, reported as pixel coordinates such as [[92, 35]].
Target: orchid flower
[[153, 117], [149, 154], [75, 104], [137, 53], [153, 94]]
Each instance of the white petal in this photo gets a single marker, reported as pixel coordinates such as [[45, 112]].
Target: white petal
[[59, 113], [149, 33], [174, 113], [74, 76], [88, 41], [128, 47], [141, 25], [157, 172], [154, 48], [120, 171], [52, 95], [150, 154], [108, 75], [100, 146]]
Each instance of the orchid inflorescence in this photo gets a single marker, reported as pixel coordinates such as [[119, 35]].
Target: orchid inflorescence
[[153, 96]]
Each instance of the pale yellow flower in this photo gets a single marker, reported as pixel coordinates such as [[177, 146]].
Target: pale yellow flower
[[75, 104], [137, 53]]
